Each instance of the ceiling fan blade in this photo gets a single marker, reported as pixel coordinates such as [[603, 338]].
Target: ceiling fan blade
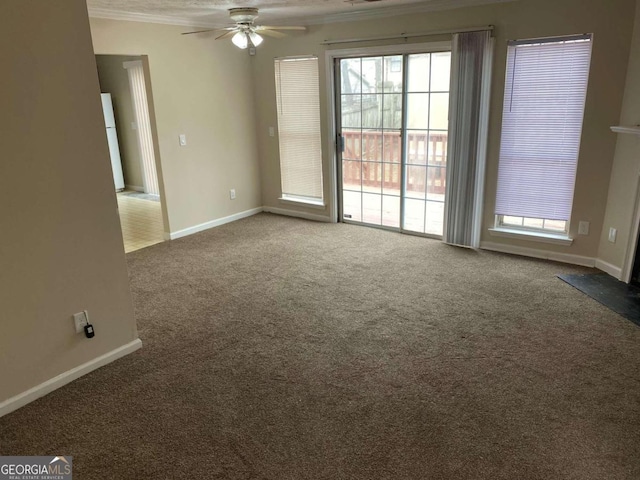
[[199, 31], [210, 30], [275, 27], [272, 33], [227, 34]]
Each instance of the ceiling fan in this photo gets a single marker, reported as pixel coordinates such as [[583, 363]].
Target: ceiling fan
[[245, 32]]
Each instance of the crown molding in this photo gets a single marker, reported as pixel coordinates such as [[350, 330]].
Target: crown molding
[[149, 18], [352, 16], [385, 12]]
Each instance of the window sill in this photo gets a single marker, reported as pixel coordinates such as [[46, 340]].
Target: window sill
[[557, 239], [303, 201]]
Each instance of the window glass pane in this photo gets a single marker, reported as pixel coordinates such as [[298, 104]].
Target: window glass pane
[[436, 183], [439, 111], [372, 208], [352, 144], [414, 215], [416, 181], [351, 111], [372, 74], [372, 177], [559, 225], [392, 107], [419, 68], [435, 218], [393, 74], [350, 75], [440, 71], [352, 206], [510, 220], [417, 147], [556, 226], [372, 111], [372, 145], [438, 142], [391, 179], [392, 146], [390, 211], [418, 110], [533, 222], [351, 174]]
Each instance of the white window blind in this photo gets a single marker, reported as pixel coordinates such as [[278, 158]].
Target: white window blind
[[545, 90], [298, 100]]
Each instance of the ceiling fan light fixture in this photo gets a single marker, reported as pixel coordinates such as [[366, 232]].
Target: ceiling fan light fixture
[[240, 40], [255, 38]]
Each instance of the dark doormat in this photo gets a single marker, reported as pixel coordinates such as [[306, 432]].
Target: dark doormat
[[618, 296]]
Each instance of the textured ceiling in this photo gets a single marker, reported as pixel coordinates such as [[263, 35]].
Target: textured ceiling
[[215, 12]]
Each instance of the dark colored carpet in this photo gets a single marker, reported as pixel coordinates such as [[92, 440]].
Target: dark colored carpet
[[620, 297], [276, 348]]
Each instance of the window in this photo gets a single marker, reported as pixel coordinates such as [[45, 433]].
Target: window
[[545, 90], [298, 101]]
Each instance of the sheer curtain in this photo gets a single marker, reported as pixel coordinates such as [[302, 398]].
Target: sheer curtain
[[471, 61]]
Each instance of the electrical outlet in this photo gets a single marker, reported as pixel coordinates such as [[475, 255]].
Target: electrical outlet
[[613, 233], [232, 194], [272, 132], [80, 319], [583, 228]]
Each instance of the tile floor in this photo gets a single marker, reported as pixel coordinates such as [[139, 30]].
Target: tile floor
[[141, 222]]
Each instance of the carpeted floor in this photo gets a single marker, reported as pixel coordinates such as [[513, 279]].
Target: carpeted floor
[[276, 348]]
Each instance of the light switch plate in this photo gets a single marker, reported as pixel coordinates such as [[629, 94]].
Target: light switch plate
[[183, 140], [583, 228], [613, 233]]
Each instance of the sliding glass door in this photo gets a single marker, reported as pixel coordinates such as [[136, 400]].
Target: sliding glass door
[[371, 120], [392, 129]]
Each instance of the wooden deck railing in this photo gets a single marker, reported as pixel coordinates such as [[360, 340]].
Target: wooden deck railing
[[383, 149]]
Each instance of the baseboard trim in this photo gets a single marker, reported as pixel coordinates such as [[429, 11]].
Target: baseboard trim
[[213, 223], [615, 272], [293, 213], [20, 400], [544, 254], [134, 188]]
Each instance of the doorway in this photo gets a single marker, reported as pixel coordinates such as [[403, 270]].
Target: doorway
[[392, 127], [140, 204]]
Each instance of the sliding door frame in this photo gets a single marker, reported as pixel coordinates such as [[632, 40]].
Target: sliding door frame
[[332, 58]]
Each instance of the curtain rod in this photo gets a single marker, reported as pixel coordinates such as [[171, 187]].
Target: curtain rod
[[410, 35]]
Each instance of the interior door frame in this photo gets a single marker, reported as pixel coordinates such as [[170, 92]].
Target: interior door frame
[[331, 58]]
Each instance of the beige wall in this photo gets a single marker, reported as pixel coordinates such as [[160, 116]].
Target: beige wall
[[201, 88], [610, 20], [61, 249], [626, 165], [115, 80]]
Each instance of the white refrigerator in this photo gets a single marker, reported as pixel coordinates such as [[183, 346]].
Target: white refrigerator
[[112, 138]]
